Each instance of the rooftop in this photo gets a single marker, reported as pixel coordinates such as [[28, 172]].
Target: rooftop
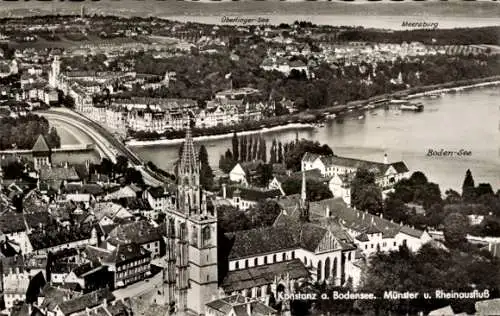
[[140, 232], [41, 146], [88, 300], [263, 275]]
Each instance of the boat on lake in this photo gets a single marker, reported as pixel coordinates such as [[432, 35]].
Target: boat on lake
[[417, 107]]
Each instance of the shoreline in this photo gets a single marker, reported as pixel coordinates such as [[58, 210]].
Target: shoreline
[[336, 110], [454, 89], [176, 141]]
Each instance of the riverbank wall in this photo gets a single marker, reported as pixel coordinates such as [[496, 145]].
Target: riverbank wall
[[165, 141]]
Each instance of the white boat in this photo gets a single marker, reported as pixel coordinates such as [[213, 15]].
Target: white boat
[[361, 117], [417, 107], [331, 116], [397, 101]]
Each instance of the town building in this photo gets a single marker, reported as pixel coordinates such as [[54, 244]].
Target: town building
[[41, 153], [238, 305]]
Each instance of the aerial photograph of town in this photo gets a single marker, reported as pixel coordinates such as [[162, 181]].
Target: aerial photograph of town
[[230, 158]]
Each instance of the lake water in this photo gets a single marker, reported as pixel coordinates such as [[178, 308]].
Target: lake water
[[468, 120], [388, 15]]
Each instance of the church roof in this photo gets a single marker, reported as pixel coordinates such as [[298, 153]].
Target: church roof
[[263, 275], [41, 145], [285, 236]]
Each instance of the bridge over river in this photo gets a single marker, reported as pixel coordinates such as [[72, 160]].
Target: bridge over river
[[105, 143]]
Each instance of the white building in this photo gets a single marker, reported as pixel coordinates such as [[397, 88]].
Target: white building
[[386, 174]]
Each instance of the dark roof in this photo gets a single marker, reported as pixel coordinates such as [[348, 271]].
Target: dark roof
[[88, 300], [12, 222], [358, 220], [400, 167], [129, 252], [225, 304], [45, 239], [73, 286], [41, 145], [118, 308], [35, 220], [54, 296], [362, 237], [140, 232], [263, 275], [88, 188], [294, 235], [84, 268], [157, 192], [58, 174]]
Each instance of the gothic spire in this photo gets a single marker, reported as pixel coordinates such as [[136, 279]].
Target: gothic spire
[[303, 195], [304, 205], [188, 164]]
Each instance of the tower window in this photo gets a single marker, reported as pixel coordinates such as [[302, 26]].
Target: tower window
[[246, 263], [265, 260], [284, 256], [274, 258], [256, 262], [237, 265], [293, 254]]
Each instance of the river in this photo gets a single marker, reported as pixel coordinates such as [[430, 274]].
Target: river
[[468, 120]]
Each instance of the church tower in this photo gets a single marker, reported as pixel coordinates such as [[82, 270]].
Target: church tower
[[41, 153], [195, 231], [304, 204], [54, 72]]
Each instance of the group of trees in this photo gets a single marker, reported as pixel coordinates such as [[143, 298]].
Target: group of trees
[[262, 215], [294, 152], [426, 271], [249, 148], [316, 190], [22, 132], [365, 192], [119, 170], [464, 36]]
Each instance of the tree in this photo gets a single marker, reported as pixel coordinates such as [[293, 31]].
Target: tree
[[280, 153], [264, 213], [53, 139], [231, 219], [366, 195], [456, 227], [243, 149], [133, 176], [483, 189], [272, 154], [106, 167], [226, 162], [468, 187], [296, 151], [265, 172], [203, 155], [418, 178], [121, 164], [235, 142], [206, 173], [262, 150]]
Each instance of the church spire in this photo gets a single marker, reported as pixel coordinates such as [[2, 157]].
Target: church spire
[[188, 164], [304, 204], [303, 195]]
